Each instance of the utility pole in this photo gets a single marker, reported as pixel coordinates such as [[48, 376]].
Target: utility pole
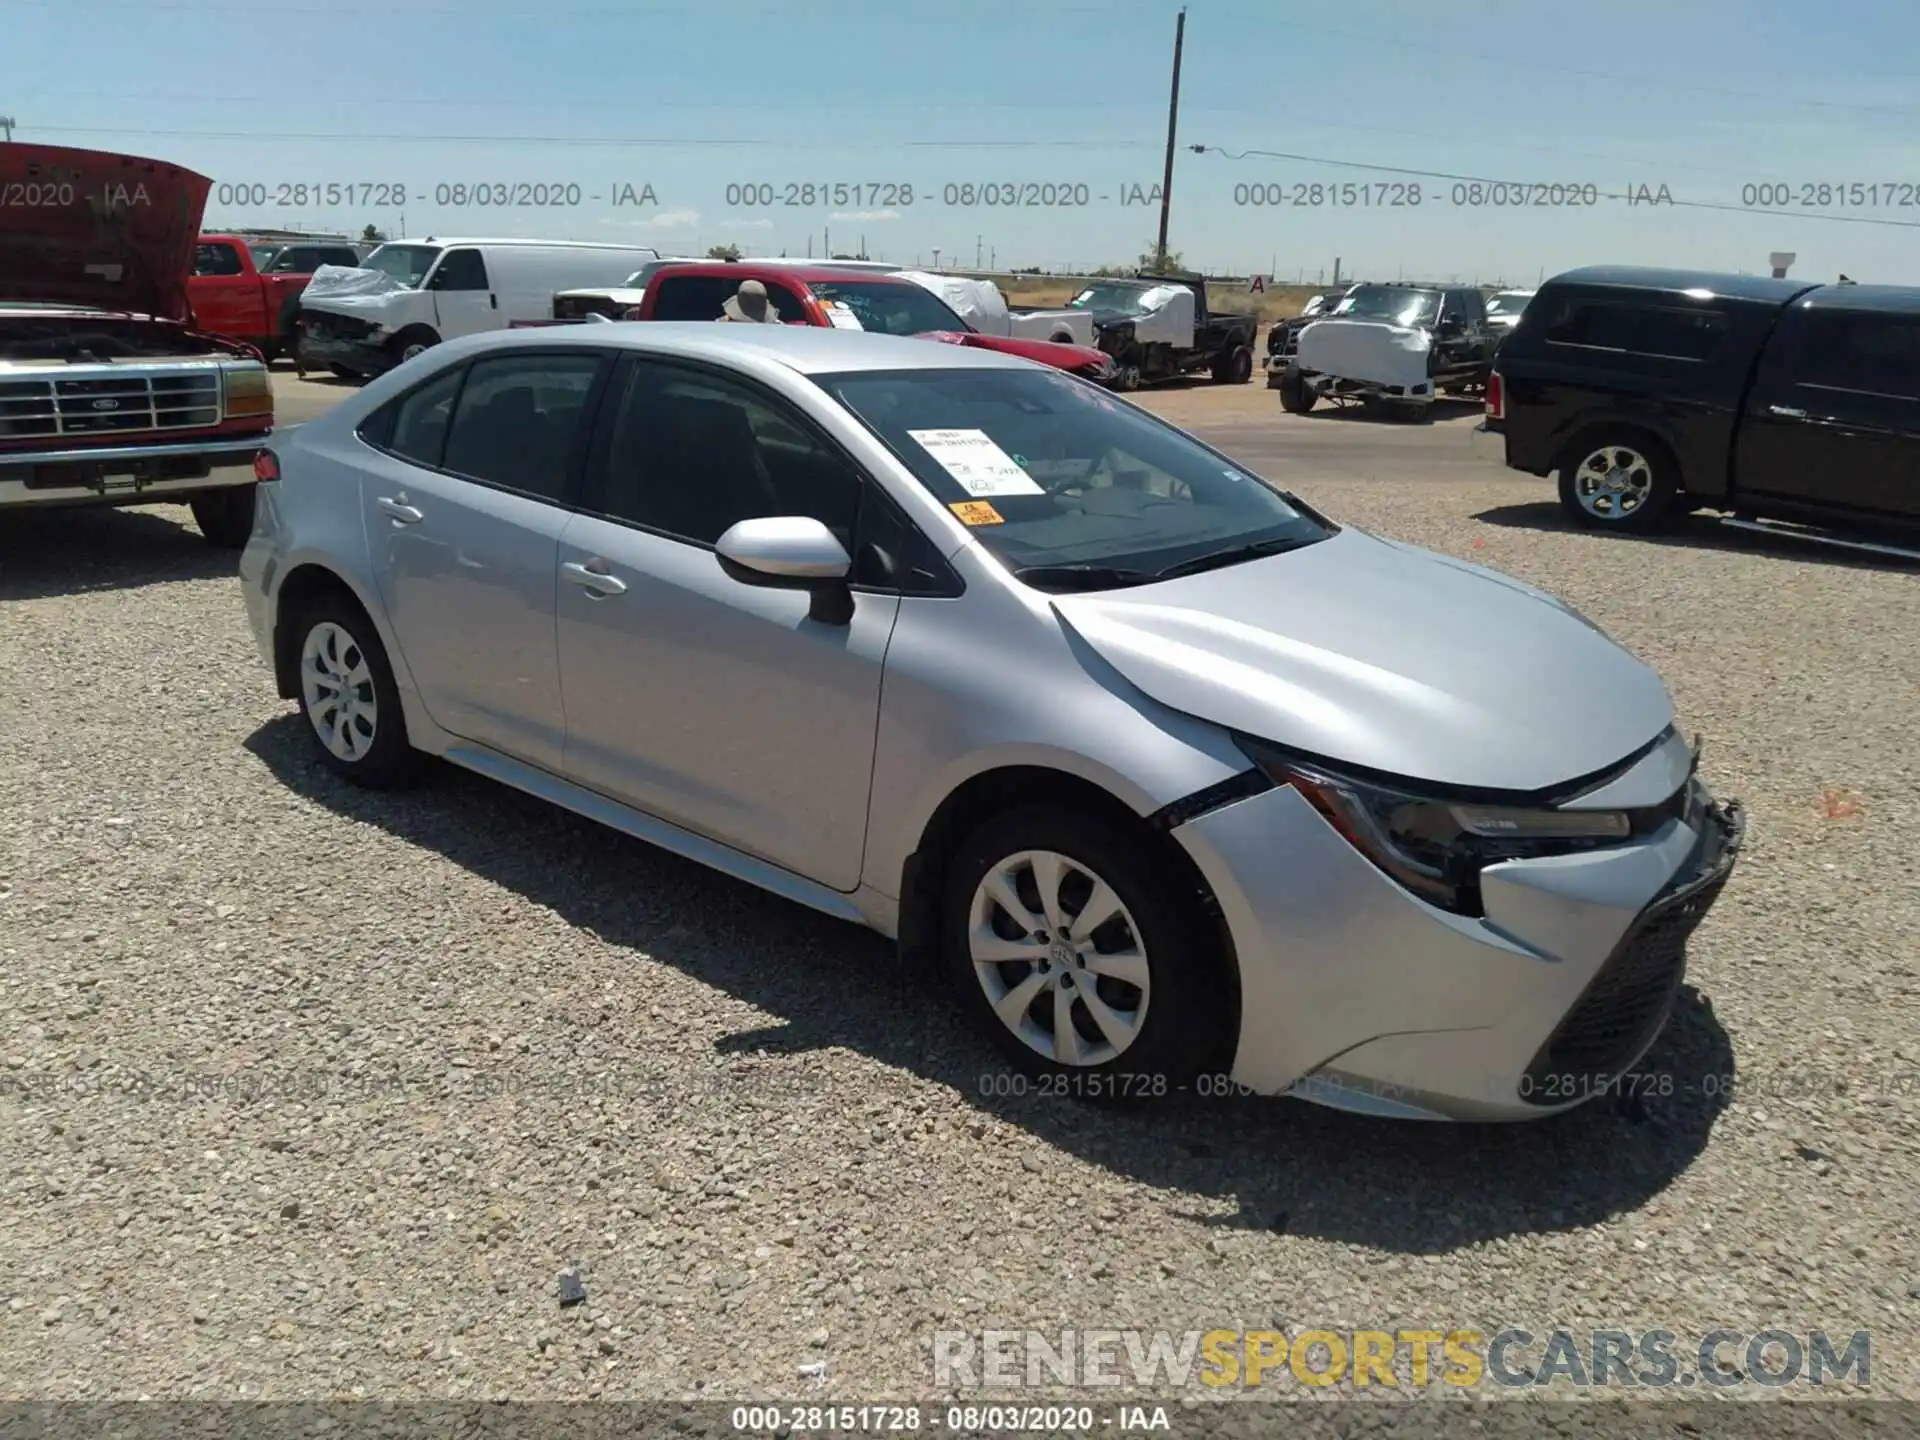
[[6, 124], [976, 250], [1173, 117]]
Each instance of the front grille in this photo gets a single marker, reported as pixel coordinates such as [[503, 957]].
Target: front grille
[[324, 326], [51, 407], [1629, 999]]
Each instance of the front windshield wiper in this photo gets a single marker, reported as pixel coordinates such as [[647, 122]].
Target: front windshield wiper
[[1234, 556], [1081, 577]]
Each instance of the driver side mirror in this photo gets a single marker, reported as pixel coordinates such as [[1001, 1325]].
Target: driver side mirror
[[791, 552]]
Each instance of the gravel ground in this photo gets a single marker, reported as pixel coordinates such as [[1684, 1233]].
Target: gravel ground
[[311, 1092]]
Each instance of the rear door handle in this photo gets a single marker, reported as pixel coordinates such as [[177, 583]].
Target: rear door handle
[[402, 513], [593, 576], [1786, 412]]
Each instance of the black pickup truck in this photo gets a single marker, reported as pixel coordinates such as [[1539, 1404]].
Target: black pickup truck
[[1789, 406], [1157, 327]]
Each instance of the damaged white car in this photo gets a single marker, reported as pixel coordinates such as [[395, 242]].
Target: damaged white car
[[1392, 344]]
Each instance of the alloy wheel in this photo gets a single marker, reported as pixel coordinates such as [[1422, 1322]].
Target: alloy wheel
[[1613, 482], [1060, 958], [337, 684]]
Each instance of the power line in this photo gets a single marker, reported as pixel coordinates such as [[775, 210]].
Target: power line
[[1506, 62], [1528, 185], [618, 141]]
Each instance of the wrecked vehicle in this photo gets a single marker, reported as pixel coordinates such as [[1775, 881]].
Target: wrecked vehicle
[[253, 294], [1158, 327], [409, 295], [109, 393], [1393, 345], [1283, 336]]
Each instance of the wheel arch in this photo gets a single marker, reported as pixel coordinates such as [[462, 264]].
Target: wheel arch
[[1590, 429], [304, 582], [1018, 785]]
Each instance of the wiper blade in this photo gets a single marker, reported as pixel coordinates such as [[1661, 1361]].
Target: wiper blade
[[1089, 577], [1234, 556]]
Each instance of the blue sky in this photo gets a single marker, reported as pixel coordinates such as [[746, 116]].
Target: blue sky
[[1704, 97]]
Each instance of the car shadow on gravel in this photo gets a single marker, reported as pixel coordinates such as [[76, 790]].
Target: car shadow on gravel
[[1695, 532], [72, 551], [1242, 1162]]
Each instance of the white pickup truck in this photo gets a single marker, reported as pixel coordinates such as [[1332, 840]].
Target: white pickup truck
[[982, 305]]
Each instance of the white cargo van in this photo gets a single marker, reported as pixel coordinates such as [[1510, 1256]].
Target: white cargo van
[[409, 295]]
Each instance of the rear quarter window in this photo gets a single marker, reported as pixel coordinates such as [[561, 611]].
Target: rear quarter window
[[1625, 327]]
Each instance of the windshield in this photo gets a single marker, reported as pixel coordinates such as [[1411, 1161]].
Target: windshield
[[1124, 299], [1389, 302], [408, 264], [1508, 302], [888, 307], [1051, 471]]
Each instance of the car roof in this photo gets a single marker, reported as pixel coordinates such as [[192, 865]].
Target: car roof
[[810, 350], [1647, 277], [1884, 299], [523, 242], [814, 274]]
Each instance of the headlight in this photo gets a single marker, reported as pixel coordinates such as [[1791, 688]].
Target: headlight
[[249, 391], [1437, 847]]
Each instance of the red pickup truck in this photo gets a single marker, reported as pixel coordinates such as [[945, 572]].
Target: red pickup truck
[[852, 300], [254, 297]]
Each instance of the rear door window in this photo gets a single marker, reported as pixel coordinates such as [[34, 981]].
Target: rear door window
[[1863, 353], [414, 427], [692, 297], [518, 422]]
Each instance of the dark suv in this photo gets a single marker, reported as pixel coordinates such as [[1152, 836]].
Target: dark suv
[[1782, 403]]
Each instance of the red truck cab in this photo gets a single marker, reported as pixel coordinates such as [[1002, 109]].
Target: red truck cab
[[823, 296], [254, 295]]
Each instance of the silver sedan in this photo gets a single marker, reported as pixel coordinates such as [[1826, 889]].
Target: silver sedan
[[1180, 783]]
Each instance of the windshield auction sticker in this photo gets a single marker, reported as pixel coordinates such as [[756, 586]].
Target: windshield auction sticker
[[842, 318], [976, 512], [982, 467]]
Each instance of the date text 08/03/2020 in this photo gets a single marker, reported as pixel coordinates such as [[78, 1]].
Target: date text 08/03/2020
[[471, 194]]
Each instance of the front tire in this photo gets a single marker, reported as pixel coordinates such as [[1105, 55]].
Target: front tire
[[413, 341], [1296, 396], [348, 696], [225, 517], [1079, 958], [1619, 481]]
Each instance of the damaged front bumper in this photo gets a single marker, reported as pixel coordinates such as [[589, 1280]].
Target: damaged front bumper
[[1357, 995]]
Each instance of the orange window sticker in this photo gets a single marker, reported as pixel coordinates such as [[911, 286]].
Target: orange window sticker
[[976, 512]]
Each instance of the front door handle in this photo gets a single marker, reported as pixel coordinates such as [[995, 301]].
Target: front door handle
[[593, 577], [402, 513], [1786, 412]]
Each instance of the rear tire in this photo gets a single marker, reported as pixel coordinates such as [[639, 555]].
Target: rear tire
[[1141, 999], [348, 695], [225, 516], [1234, 367], [1619, 480]]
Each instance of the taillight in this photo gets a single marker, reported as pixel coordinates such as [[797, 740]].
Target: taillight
[[1496, 397], [266, 466]]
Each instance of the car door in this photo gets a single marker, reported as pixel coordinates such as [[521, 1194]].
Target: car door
[[226, 296], [718, 706], [1834, 416], [463, 300], [464, 496]]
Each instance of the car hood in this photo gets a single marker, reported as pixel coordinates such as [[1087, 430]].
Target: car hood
[[103, 231], [1380, 655], [1044, 352]]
